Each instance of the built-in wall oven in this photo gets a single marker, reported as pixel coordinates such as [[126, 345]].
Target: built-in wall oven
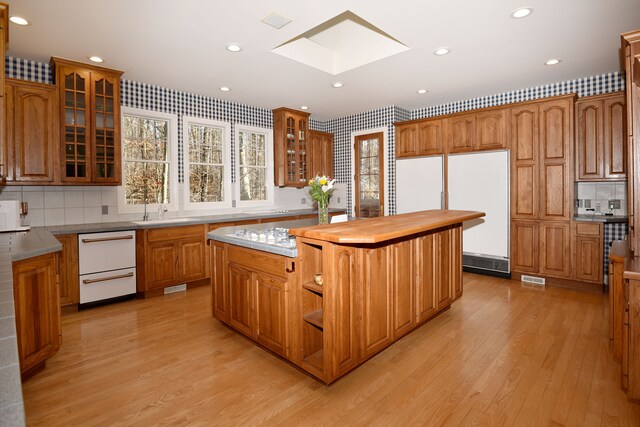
[[107, 266]]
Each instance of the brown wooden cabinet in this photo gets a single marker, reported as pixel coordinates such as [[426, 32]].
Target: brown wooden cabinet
[[37, 310], [89, 122], [321, 144], [587, 243], [4, 41], [421, 138], [251, 293], [601, 152], [491, 129], [460, 133], [171, 256], [542, 187], [68, 270], [630, 50], [290, 147], [31, 144]]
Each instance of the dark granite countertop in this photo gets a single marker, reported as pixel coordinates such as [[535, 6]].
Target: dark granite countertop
[[601, 218]]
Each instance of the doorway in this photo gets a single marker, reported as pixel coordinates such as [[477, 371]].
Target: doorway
[[369, 175]]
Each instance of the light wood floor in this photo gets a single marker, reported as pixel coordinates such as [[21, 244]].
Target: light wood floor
[[503, 355]]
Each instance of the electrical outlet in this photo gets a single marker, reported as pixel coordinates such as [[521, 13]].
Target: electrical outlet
[[614, 204], [587, 203], [338, 199], [233, 203], [578, 203], [598, 207], [105, 210], [303, 201]]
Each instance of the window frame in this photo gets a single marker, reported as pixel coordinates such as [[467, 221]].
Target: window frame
[[172, 148], [268, 163], [226, 162]]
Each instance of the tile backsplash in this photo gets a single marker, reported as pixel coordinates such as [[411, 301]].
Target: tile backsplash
[[66, 205], [599, 193]]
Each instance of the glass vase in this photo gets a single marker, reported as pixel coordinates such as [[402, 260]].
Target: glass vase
[[323, 212]]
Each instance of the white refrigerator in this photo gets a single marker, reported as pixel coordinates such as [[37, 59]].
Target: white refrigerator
[[419, 184], [480, 182]]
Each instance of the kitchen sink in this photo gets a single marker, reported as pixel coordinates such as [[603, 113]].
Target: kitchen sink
[[163, 221]]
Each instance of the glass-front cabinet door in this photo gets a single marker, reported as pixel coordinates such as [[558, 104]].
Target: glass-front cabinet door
[[291, 147], [105, 123], [77, 126]]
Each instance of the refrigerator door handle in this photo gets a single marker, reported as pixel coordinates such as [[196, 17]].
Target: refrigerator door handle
[[442, 200]]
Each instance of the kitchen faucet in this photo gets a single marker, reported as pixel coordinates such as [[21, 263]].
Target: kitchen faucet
[[145, 195]]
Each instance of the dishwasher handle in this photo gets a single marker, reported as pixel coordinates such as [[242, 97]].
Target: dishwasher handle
[[108, 239], [104, 279]]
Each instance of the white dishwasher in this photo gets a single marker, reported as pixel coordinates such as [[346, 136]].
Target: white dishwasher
[[107, 266]]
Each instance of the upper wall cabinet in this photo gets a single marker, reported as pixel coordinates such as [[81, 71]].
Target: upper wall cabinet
[[423, 138], [321, 149], [600, 138], [460, 133], [491, 130], [30, 147], [4, 40], [89, 122], [290, 150]]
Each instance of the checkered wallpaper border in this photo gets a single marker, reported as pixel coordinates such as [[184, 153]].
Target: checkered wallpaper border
[[146, 96], [587, 86], [612, 231]]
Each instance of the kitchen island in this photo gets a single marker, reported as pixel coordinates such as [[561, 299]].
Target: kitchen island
[[345, 293]]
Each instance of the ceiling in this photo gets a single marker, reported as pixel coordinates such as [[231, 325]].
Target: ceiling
[[181, 45]]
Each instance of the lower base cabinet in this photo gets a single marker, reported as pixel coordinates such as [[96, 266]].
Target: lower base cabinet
[[68, 268], [37, 308]]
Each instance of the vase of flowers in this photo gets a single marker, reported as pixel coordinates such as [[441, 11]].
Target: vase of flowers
[[320, 189]]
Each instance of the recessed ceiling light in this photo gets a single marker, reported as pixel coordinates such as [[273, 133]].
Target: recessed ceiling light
[[304, 107], [234, 47], [442, 51], [96, 59], [338, 84], [422, 91], [552, 62], [521, 12], [19, 20], [225, 89]]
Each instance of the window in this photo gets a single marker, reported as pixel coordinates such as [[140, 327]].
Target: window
[[149, 160], [254, 148], [207, 163]]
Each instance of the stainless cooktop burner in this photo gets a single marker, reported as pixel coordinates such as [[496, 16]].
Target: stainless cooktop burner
[[276, 236]]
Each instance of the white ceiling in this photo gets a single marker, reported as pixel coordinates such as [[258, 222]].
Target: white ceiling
[[181, 45]]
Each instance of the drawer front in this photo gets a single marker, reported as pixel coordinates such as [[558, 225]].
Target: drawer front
[[174, 233], [257, 260], [108, 284], [106, 251], [588, 229]]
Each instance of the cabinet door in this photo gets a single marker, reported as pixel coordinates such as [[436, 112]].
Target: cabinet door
[[491, 130], [105, 122], [406, 140], [75, 90], [193, 259], [443, 270], [430, 137], [162, 264], [456, 262], [425, 278], [615, 147], [403, 284], [315, 150], [219, 285], [271, 312], [241, 299], [461, 133], [376, 300], [524, 162], [590, 141], [68, 270], [34, 138], [37, 310], [525, 246], [327, 155], [555, 249], [588, 261], [556, 177]]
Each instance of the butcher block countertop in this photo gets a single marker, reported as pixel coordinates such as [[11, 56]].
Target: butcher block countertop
[[376, 230]]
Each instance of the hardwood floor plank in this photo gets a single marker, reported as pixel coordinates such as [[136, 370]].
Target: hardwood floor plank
[[504, 354]]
